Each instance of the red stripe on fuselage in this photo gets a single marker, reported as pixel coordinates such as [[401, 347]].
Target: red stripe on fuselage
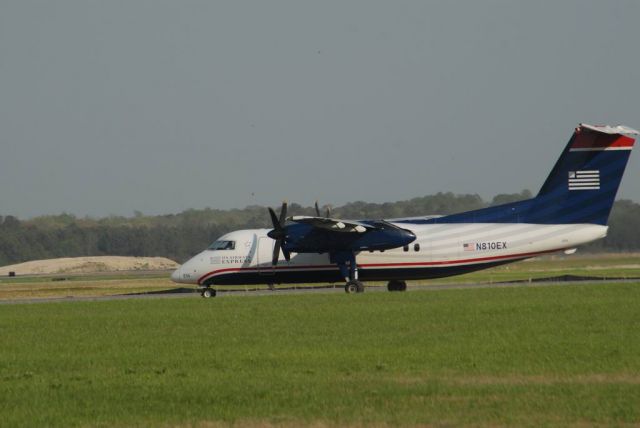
[[372, 265]]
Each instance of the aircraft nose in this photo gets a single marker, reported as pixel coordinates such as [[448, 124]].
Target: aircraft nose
[[175, 276]]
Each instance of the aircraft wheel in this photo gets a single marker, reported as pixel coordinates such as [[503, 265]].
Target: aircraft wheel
[[397, 286], [208, 292], [354, 287], [351, 287]]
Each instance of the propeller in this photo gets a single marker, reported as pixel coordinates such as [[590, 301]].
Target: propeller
[[327, 213], [278, 233]]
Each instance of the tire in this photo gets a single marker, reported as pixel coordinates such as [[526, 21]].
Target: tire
[[351, 287], [208, 292], [396, 285]]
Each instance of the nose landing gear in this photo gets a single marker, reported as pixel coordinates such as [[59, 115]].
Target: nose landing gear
[[208, 292]]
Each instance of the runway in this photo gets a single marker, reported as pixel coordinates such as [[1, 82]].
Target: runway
[[188, 293]]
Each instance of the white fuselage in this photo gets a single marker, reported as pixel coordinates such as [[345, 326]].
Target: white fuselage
[[439, 250]]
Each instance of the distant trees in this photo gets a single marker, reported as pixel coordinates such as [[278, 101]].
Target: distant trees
[[505, 198], [624, 229], [440, 203], [179, 236]]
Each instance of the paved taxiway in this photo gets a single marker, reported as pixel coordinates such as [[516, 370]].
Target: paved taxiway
[[280, 291]]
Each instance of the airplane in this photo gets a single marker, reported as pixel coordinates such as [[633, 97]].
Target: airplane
[[571, 209]]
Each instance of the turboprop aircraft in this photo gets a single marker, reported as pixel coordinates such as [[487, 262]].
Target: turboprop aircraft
[[571, 209]]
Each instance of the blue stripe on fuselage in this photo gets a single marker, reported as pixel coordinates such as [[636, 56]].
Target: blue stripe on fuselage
[[333, 276]]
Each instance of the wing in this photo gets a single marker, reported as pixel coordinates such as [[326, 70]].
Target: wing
[[333, 224]]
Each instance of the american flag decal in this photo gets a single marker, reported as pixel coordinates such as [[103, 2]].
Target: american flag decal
[[469, 246], [584, 180]]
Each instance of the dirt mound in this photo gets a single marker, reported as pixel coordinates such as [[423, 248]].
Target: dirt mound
[[89, 265]]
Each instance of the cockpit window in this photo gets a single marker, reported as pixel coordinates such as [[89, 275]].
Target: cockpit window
[[223, 245]]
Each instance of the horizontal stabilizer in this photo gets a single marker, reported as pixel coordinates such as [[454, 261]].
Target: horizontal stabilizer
[[606, 129]]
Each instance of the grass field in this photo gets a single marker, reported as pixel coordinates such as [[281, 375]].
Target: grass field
[[530, 356]]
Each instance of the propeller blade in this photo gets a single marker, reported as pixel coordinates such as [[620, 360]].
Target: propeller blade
[[287, 254], [328, 211], [274, 219], [283, 213], [278, 233], [276, 252], [317, 210]]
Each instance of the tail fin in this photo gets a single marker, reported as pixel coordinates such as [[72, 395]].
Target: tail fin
[[580, 189], [583, 184]]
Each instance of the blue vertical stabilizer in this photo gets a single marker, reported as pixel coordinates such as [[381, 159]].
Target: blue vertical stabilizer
[[581, 187]]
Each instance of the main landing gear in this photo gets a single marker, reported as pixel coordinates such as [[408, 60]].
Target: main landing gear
[[397, 285], [346, 262], [354, 286], [208, 292]]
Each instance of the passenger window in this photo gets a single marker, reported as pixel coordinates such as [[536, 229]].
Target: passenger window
[[405, 248], [416, 247]]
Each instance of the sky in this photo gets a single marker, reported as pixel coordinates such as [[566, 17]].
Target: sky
[[107, 108]]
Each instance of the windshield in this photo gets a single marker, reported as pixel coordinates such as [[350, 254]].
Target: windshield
[[222, 245]]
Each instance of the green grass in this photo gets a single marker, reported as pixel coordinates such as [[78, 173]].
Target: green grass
[[551, 356], [594, 265], [75, 277], [83, 288]]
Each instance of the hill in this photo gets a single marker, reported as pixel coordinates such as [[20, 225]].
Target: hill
[[89, 265]]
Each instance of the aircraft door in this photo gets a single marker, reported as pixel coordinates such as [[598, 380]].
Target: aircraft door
[[264, 255]]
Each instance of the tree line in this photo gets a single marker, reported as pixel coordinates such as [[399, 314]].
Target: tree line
[[180, 236]]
